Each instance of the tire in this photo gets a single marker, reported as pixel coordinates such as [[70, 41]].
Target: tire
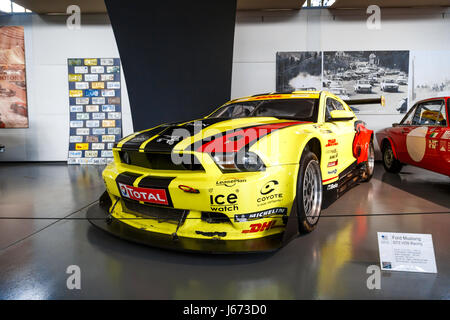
[[369, 164], [390, 163], [309, 192]]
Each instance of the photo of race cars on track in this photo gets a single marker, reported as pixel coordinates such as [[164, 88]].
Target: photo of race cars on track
[[366, 74]]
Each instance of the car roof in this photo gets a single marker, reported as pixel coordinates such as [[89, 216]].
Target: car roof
[[280, 95]]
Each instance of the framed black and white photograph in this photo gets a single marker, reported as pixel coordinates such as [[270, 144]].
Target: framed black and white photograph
[[299, 71]]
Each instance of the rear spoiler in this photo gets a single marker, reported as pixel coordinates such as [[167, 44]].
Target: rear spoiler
[[381, 100]]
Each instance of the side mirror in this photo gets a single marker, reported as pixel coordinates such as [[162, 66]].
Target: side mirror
[[341, 115]]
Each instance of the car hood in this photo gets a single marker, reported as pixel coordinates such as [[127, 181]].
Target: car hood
[[205, 135]]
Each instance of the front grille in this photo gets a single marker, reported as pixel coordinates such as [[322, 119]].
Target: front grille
[[161, 161], [158, 213]]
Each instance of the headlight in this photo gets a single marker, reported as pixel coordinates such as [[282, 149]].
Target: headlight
[[241, 161]]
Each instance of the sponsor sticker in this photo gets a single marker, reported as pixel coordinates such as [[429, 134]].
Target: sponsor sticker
[[91, 154], [97, 69], [76, 108], [82, 131], [109, 138], [75, 77], [90, 62], [98, 116], [97, 85], [92, 123], [260, 215], [149, 195], [75, 139], [82, 146], [108, 93], [98, 131], [259, 227], [113, 85], [98, 100], [108, 123], [107, 62], [231, 182], [98, 146], [223, 203], [81, 85], [332, 171], [332, 186], [75, 154], [76, 124], [432, 144], [108, 108], [92, 108], [82, 69], [332, 164], [331, 143], [82, 116], [90, 77], [114, 115]]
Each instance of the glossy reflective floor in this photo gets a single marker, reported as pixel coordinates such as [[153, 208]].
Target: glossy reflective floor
[[329, 263]]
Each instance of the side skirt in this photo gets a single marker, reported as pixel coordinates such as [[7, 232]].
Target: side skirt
[[348, 178]]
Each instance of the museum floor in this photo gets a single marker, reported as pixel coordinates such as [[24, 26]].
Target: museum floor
[[329, 263]]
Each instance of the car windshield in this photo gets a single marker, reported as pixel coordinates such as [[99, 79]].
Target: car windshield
[[389, 81], [364, 82], [299, 109]]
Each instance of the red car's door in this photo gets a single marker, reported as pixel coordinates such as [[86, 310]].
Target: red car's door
[[442, 160], [421, 137], [398, 135]]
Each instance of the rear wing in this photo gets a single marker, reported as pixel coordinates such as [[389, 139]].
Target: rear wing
[[381, 100]]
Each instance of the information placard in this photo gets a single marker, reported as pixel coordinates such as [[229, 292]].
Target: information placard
[[411, 252]]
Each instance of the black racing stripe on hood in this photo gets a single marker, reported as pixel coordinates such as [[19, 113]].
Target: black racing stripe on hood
[[134, 143], [170, 136]]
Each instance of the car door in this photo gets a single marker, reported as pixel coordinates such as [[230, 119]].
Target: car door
[[398, 135], [421, 137], [344, 133]]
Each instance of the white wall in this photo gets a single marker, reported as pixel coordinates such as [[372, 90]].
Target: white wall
[[259, 35], [48, 44]]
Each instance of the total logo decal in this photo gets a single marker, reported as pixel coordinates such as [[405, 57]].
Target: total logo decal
[[259, 227], [260, 215], [331, 143], [222, 203], [157, 196], [267, 193]]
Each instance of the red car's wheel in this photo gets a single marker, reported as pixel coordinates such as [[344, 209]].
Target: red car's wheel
[[390, 163]]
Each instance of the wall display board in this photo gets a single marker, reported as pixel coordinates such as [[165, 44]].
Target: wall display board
[[350, 75], [95, 109], [13, 91]]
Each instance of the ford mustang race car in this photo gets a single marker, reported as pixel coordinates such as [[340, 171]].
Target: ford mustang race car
[[248, 177], [421, 139]]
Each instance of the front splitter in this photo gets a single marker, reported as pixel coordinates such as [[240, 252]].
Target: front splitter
[[98, 216]]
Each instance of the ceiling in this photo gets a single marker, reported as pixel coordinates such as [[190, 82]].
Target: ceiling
[[359, 4], [98, 6]]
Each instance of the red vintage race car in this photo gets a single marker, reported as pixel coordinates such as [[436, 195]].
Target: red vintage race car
[[421, 139]]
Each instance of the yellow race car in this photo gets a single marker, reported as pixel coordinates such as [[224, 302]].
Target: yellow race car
[[248, 177]]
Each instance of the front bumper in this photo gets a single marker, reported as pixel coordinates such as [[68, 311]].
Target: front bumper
[[99, 216]]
